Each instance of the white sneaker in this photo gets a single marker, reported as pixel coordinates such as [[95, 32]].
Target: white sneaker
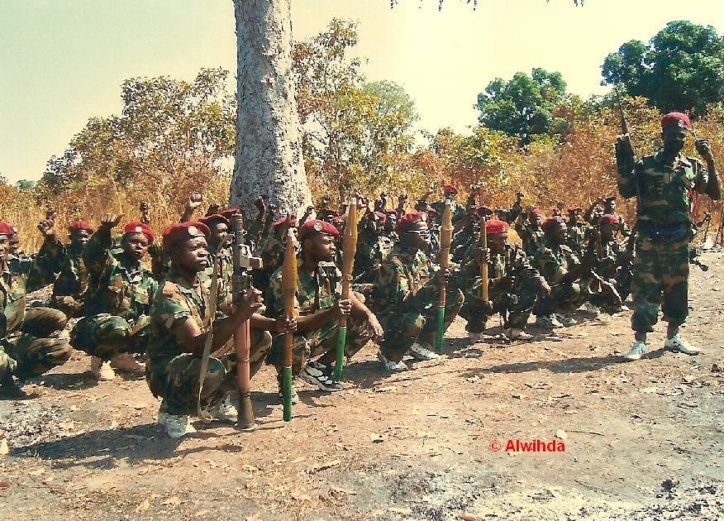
[[127, 363], [475, 336], [177, 426], [225, 411], [513, 333], [565, 320], [393, 367], [592, 309], [420, 352], [638, 348], [102, 371], [548, 322], [679, 345]]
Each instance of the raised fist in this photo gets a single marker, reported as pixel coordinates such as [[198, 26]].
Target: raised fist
[[110, 220]]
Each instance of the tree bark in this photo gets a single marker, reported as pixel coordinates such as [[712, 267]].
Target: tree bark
[[268, 132]]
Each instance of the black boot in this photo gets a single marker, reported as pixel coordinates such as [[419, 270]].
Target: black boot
[[11, 390]]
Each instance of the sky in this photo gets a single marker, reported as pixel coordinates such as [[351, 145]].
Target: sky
[[63, 61]]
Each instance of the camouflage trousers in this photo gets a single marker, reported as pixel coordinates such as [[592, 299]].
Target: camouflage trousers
[[316, 343], [660, 279], [105, 335], [564, 298], [514, 305], [177, 380], [417, 324], [29, 351]]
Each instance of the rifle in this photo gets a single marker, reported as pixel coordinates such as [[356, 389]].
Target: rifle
[[446, 232], [240, 282], [349, 248], [289, 289]]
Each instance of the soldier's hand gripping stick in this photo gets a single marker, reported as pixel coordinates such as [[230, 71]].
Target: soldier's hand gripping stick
[[349, 248]]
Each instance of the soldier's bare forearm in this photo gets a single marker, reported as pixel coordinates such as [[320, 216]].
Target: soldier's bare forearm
[[714, 186]]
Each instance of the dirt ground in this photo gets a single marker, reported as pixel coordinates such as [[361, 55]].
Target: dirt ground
[[638, 440]]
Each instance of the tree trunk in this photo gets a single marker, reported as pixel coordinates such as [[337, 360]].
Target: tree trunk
[[268, 133]]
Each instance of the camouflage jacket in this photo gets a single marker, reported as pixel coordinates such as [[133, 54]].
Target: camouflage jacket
[[402, 275], [112, 287], [533, 240], [71, 285], [12, 301], [664, 190], [514, 263], [610, 257], [577, 236], [554, 265], [174, 302], [33, 270], [315, 291], [371, 251]]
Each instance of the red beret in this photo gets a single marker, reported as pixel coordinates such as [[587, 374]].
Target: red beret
[[80, 225], [182, 231], [549, 223], [609, 219], [229, 212], [6, 229], [450, 188], [675, 119], [292, 221], [317, 226], [495, 226], [535, 212], [408, 220], [139, 227], [485, 210], [382, 216], [210, 220]]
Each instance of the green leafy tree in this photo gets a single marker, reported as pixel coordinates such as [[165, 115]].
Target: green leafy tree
[[524, 106], [681, 68], [172, 137], [354, 133]]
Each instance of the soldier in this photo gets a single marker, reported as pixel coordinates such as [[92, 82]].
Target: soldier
[[595, 212], [663, 184], [272, 251], [513, 285], [25, 347], [562, 270], [405, 296], [179, 328], [71, 285], [530, 231], [449, 193], [576, 230], [611, 257], [317, 299], [119, 296], [372, 247], [219, 254]]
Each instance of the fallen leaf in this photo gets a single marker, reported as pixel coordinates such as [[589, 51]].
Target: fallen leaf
[[561, 434]]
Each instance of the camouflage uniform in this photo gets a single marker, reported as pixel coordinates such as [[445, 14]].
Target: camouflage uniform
[[566, 295], [664, 231], [514, 303], [577, 234], [117, 304], [315, 292], [25, 349], [533, 240], [405, 301], [71, 284], [172, 373], [371, 251]]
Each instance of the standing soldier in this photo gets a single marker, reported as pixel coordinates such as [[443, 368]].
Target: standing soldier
[[530, 231], [25, 347], [119, 297], [406, 294], [663, 184], [576, 230]]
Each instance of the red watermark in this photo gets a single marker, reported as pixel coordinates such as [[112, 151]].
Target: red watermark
[[535, 445]]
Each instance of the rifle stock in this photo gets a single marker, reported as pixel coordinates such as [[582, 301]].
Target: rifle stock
[[446, 232], [289, 289], [349, 248]]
